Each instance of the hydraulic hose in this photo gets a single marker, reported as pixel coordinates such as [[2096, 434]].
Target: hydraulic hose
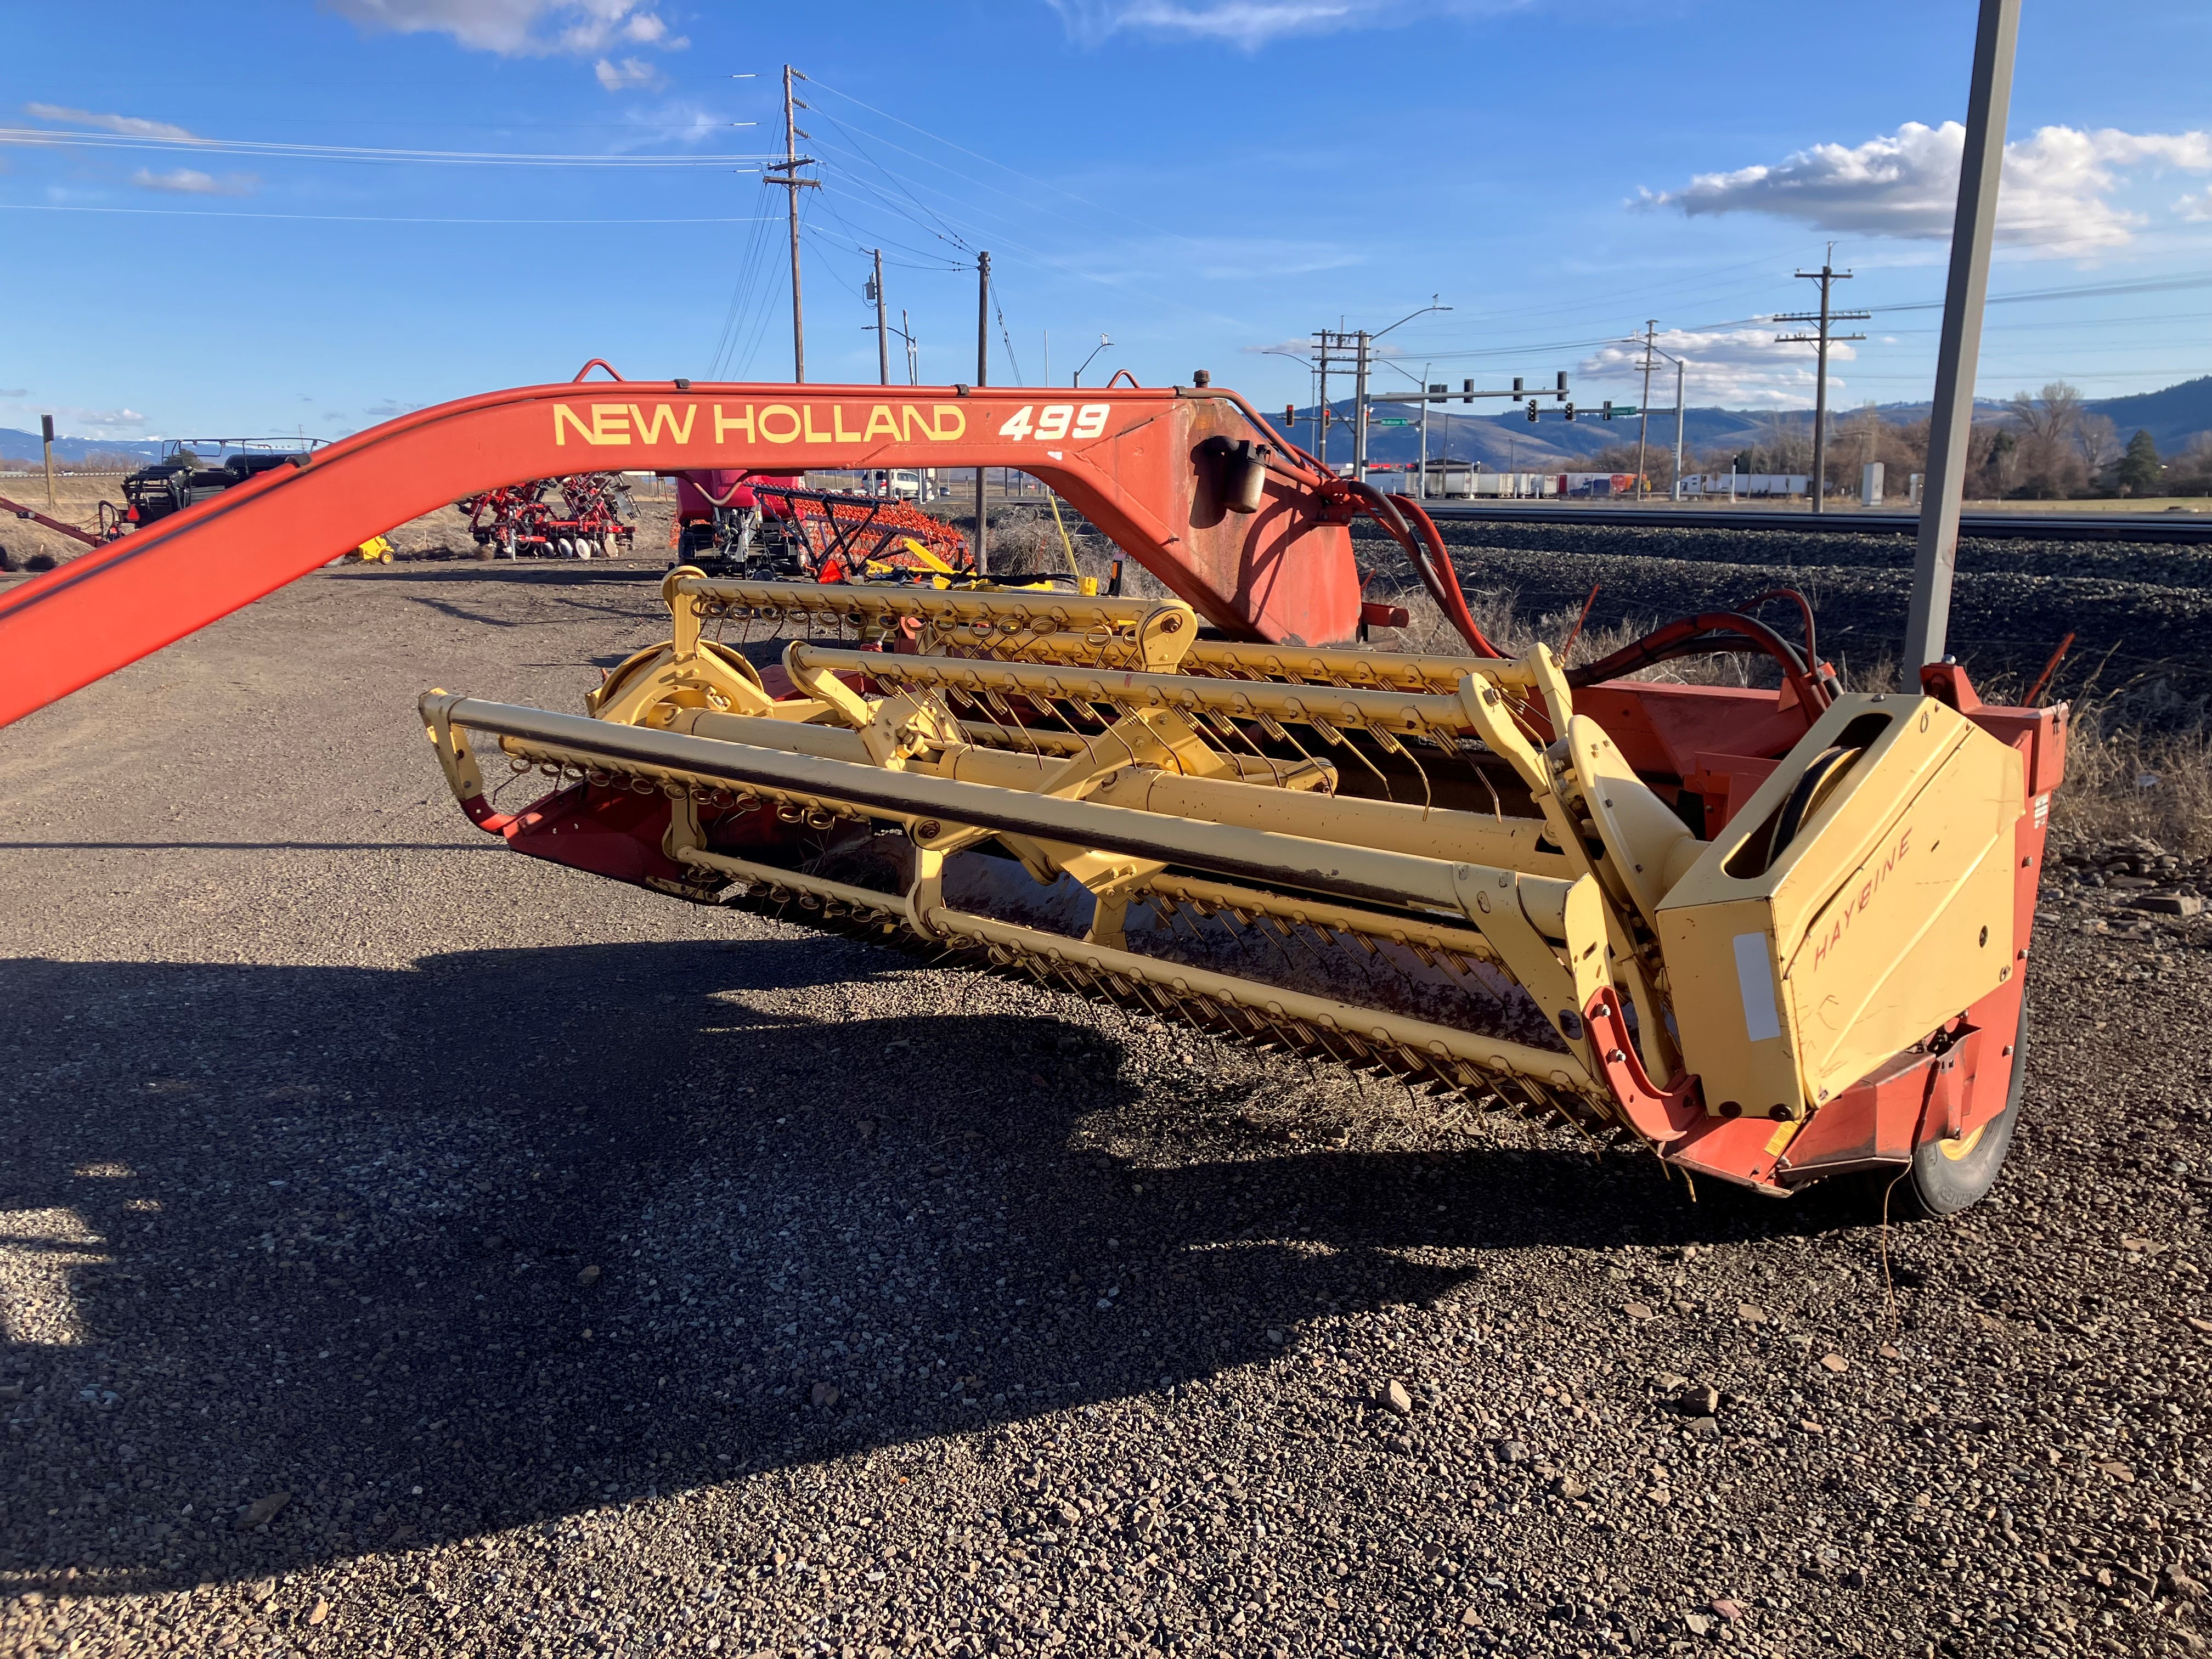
[[1710, 633], [1820, 670], [1424, 545]]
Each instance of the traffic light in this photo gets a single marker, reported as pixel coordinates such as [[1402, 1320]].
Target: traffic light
[[1466, 386], [1562, 391], [1571, 411], [1531, 409], [1516, 385], [1608, 409]]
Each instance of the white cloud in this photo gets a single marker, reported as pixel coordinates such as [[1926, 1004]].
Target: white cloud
[[631, 72], [2197, 206], [130, 126], [519, 28], [2056, 194], [1742, 367], [1247, 24], [189, 181], [89, 423]]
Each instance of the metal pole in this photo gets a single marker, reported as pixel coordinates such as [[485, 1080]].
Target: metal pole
[[46, 431], [1821, 403], [1643, 408], [1359, 409], [791, 186], [982, 378], [1959, 351], [913, 352], [1422, 490], [1679, 367], [1321, 404], [883, 327]]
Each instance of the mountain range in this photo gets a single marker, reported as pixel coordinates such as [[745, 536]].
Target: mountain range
[[1507, 442]]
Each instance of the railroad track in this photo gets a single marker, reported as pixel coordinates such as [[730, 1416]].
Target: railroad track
[[2178, 527]]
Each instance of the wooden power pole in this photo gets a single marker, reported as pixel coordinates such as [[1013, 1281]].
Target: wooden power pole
[[982, 378], [1825, 319], [793, 184], [883, 327]]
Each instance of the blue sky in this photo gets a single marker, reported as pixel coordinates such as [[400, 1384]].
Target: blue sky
[[1201, 180]]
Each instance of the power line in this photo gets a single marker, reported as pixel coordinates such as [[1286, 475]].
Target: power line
[[355, 218], [40, 137], [988, 162]]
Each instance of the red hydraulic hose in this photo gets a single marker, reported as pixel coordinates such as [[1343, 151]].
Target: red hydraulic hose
[[1431, 560], [1707, 634]]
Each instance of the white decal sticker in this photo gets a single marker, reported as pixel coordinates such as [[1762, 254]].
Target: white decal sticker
[[1762, 1021]]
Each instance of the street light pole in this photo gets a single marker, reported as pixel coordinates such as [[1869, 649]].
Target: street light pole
[[1679, 367], [1651, 348], [1422, 490], [1644, 409], [1103, 344]]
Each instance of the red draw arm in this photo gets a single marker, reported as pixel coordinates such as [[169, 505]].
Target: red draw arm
[[1157, 470]]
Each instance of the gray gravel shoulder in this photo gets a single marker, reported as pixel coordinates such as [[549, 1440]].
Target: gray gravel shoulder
[[406, 1243]]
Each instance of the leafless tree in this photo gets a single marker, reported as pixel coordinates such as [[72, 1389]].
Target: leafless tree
[[2048, 458]]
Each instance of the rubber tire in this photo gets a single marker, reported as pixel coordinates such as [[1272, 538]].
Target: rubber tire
[[1940, 1183]]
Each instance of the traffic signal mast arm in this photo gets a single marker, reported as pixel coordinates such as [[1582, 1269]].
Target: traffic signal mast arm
[[1518, 391]]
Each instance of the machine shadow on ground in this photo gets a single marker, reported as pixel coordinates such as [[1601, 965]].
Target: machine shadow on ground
[[326, 1232]]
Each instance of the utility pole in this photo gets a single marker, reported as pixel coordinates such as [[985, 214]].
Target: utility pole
[[982, 378], [1675, 492], [883, 327], [1320, 401], [1825, 317], [793, 184], [913, 349], [1422, 493], [1359, 406], [1643, 408], [46, 431], [1957, 353], [1359, 345]]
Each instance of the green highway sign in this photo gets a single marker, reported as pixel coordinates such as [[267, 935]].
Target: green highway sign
[[1392, 420]]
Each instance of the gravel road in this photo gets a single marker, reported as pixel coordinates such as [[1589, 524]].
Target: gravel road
[[411, 1248]]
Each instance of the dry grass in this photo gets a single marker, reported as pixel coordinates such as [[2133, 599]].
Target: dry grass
[[1497, 613], [2121, 781]]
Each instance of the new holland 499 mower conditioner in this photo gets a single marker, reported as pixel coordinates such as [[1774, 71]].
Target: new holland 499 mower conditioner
[[1770, 935]]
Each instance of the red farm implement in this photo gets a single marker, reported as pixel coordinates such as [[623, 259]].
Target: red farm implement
[[581, 516]]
